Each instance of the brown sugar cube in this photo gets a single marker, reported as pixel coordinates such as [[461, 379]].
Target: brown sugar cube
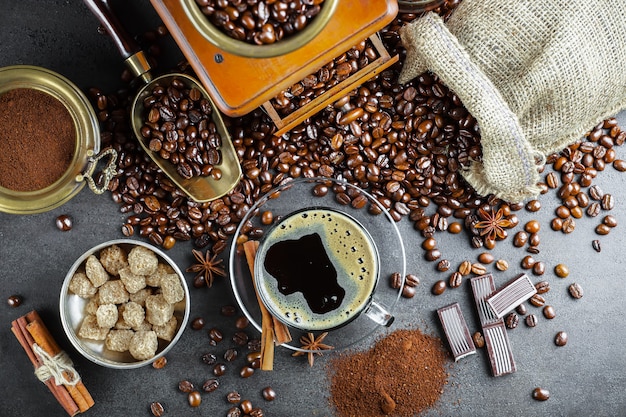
[[142, 261], [140, 296], [132, 282], [121, 323], [82, 286], [133, 314], [154, 279], [92, 305], [143, 345], [106, 315], [144, 325], [119, 340], [172, 289], [158, 310], [166, 331], [113, 292], [89, 329], [113, 258], [95, 271]]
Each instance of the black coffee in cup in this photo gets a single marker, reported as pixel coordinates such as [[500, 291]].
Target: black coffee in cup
[[317, 269]]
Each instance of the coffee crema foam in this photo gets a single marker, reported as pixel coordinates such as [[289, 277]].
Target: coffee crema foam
[[349, 248]]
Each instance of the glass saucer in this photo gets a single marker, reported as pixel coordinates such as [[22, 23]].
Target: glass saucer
[[340, 196]]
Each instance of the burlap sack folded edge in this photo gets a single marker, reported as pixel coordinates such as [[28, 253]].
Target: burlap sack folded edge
[[431, 46]]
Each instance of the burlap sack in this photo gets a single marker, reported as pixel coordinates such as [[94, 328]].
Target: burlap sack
[[536, 75]]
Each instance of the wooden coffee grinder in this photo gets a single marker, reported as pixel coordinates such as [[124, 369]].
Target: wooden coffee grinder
[[241, 79]]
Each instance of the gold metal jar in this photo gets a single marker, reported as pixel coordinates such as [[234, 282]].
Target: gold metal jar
[[418, 6], [237, 47], [87, 147]]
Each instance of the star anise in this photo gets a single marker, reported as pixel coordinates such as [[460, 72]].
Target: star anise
[[313, 345], [207, 266], [493, 224]]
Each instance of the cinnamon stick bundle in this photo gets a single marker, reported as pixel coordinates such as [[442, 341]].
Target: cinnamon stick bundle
[[42, 349], [273, 332]]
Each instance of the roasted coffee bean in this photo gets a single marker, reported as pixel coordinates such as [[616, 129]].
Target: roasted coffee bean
[[408, 291], [240, 338], [64, 223], [455, 280], [268, 394], [209, 359], [542, 287], [511, 320], [160, 363], [561, 339], [194, 399], [594, 209], [537, 300], [609, 221], [527, 262], [502, 265], [156, 408], [455, 228], [520, 239], [479, 340], [619, 165], [539, 268], [556, 224], [602, 229], [219, 369], [596, 245], [242, 322], [465, 268], [608, 202], [14, 300], [230, 354], [596, 193], [432, 255], [210, 385], [540, 394], [568, 225], [561, 270], [478, 269], [443, 265], [233, 412], [215, 335], [533, 250], [521, 309], [485, 258], [411, 280], [228, 310], [233, 397], [575, 290], [532, 226], [439, 287], [533, 206], [197, 323], [185, 386], [548, 312], [246, 372], [395, 280], [246, 406], [531, 320]]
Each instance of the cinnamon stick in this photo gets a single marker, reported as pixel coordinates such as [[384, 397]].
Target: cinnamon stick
[[18, 327]]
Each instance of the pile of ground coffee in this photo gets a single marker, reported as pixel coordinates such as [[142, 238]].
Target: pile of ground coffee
[[402, 375], [37, 139]]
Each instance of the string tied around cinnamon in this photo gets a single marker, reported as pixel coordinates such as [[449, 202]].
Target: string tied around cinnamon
[[59, 367]]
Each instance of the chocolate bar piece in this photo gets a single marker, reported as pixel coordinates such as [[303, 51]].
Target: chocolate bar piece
[[457, 333], [510, 295], [499, 349], [482, 287]]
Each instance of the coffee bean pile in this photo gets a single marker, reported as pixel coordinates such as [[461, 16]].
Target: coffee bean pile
[[178, 127], [260, 22], [314, 85]]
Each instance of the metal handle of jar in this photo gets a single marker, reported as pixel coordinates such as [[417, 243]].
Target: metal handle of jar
[[107, 173]]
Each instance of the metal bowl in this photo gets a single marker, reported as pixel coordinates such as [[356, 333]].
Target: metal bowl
[[237, 47], [72, 307]]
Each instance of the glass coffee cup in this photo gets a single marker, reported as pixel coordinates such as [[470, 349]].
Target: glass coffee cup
[[323, 264]]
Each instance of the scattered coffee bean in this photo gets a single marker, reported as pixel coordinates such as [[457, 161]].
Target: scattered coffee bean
[[569, 225], [608, 202], [533, 206], [539, 268], [521, 309], [596, 192], [185, 386], [210, 385], [157, 409], [439, 287], [209, 359], [549, 312], [242, 322], [230, 354], [610, 221], [532, 226], [531, 320], [64, 223], [408, 291], [228, 310], [511, 320], [455, 280], [502, 265], [478, 269], [197, 323], [443, 265], [485, 258], [455, 228], [246, 372], [542, 287], [240, 338], [537, 300], [395, 280], [602, 229], [540, 394], [215, 335], [561, 339], [194, 399], [561, 270], [269, 394], [160, 363], [527, 262], [520, 239], [595, 244], [14, 300], [465, 268], [575, 290], [233, 397], [479, 340], [219, 369], [411, 280], [246, 406]]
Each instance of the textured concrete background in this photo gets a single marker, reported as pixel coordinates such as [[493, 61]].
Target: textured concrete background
[[586, 377]]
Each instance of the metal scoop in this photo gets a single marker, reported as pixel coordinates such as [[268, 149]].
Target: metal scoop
[[198, 188]]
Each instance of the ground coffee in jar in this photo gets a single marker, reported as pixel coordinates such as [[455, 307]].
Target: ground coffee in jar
[[402, 375], [37, 139]]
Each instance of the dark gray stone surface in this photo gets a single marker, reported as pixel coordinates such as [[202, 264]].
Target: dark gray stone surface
[[586, 377]]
